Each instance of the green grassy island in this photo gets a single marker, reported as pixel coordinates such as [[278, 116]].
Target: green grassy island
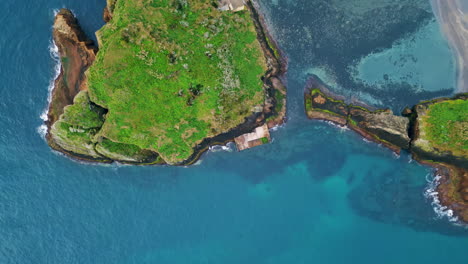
[[168, 75]]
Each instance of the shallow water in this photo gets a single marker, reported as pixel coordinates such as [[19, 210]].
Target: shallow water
[[317, 194]]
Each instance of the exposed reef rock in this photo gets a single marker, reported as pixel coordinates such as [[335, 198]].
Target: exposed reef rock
[[452, 191], [414, 131], [380, 126]]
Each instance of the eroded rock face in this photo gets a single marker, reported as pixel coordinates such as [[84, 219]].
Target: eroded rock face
[[77, 53], [380, 126], [421, 145]]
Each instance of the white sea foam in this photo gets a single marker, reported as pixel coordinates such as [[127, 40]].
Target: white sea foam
[[199, 162], [229, 147], [431, 193], [366, 140], [395, 155], [54, 54], [342, 128], [275, 128], [42, 130]]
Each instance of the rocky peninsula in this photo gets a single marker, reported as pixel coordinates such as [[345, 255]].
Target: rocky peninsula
[[435, 132], [169, 80]]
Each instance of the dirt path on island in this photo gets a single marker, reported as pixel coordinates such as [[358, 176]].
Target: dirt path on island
[[453, 18]]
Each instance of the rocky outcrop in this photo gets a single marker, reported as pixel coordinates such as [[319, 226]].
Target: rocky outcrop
[[452, 191], [400, 132], [77, 53], [421, 147], [380, 126]]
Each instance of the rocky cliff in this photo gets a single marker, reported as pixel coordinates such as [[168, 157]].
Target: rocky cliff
[[77, 53]]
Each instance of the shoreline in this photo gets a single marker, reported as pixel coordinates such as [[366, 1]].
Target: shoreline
[[62, 93], [398, 133]]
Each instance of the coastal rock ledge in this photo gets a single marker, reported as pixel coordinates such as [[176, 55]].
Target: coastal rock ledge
[[435, 133], [82, 121]]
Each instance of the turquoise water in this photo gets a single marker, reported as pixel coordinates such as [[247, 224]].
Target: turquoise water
[[372, 50], [317, 194], [422, 60]]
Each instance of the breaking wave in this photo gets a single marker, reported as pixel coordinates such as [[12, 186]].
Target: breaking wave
[[229, 147], [54, 54], [432, 193]]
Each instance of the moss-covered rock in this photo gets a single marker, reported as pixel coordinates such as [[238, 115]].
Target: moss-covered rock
[[441, 130], [126, 153], [380, 126]]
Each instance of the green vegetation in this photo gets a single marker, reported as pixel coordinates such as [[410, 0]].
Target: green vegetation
[[173, 72], [77, 127], [83, 114], [446, 126], [264, 140], [125, 152]]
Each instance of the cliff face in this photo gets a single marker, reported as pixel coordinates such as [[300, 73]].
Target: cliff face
[[411, 132], [77, 53]]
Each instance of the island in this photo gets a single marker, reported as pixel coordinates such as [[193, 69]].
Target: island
[[435, 132], [167, 80]]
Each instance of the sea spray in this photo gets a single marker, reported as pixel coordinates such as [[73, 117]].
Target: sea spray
[[229, 147], [54, 54], [432, 193]]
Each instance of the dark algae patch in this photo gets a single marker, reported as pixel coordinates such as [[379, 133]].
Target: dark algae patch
[[435, 132], [171, 78]]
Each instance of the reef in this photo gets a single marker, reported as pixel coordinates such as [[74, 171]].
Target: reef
[[435, 132], [101, 110]]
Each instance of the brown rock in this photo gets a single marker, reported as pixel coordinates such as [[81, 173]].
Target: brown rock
[[383, 125], [77, 53], [107, 15]]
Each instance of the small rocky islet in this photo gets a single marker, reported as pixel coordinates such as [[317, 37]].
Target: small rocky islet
[[148, 95]]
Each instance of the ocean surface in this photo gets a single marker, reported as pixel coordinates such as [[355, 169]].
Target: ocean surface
[[317, 194]]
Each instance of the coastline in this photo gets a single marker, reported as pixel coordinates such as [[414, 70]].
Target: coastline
[[453, 22], [398, 133], [65, 90]]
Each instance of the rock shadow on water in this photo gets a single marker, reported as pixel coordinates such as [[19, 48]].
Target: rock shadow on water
[[325, 162], [389, 197]]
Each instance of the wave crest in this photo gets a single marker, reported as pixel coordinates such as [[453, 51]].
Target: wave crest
[[432, 193]]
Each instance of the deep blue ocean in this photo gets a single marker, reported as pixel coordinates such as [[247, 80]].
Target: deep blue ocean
[[317, 194]]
